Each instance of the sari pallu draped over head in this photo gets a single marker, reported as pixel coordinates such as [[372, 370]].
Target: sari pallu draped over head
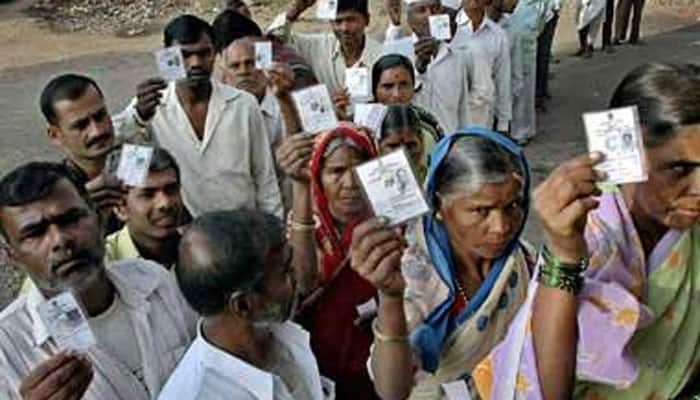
[[450, 341], [340, 345]]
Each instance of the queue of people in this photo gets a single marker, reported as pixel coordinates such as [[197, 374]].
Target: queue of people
[[250, 265]]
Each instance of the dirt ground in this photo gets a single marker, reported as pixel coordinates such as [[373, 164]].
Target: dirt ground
[[31, 55]]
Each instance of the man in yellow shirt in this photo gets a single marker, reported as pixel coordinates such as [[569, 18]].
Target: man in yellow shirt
[[152, 215]]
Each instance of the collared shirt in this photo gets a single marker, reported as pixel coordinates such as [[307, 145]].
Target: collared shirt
[[120, 246], [444, 86], [162, 325], [490, 55], [209, 373], [231, 166], [322, 51]]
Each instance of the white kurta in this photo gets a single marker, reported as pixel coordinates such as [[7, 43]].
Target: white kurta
[[489, 51], [523, 28], [208, 373], [231, 166]]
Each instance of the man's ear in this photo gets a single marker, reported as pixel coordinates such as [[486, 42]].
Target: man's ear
[[241, 305], [121, 213], [55, 135]]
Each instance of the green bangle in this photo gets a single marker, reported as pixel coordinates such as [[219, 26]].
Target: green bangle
[[563, 276]]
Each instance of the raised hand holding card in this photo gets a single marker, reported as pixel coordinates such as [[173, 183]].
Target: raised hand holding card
[[171, 63], [66, 322], [315, 109], [617, 135], [392, 188]]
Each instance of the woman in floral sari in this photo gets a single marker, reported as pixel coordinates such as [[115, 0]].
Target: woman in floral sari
[[639, 334], [333, 311], [466, 278]]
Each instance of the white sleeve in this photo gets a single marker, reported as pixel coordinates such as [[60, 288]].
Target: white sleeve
[[267, 191], [504, 101]]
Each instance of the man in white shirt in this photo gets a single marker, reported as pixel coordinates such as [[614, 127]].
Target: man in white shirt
[[487, 45], [330, 54], [235, 269], [444, 74], [139, 319], [215, 132]]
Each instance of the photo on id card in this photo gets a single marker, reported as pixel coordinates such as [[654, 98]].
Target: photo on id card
[[315, 109], [171, 63], [357, 81], [617, 134], [263, 55], [66, 323], [134, 163], [370, 115], [440, 27], [391, 187], [327, 9]]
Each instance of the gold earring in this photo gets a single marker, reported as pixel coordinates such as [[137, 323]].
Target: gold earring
[[438, 216]]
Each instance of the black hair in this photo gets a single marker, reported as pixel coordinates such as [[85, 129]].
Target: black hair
[[230, 26], [239, 242], [186, 29], [162, 160], [63, 87], [361, 6], [667, 97], [400, 116], [35, 181], [390, 61]]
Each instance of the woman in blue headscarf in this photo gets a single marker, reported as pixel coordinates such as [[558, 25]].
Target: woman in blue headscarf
[[462, 278]]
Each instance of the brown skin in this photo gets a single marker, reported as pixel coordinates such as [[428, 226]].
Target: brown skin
[[152, 214], [234, 329], [393, 9], [294, 156], [239, 69], [84, 131], [65, 376], [407, 138], [341, 100], [418, 20], [349, 28], [345, 199], [670, 199], [57, 241], [488, 219], [193, 92], [476, 11], [395, 86], [480, 225]]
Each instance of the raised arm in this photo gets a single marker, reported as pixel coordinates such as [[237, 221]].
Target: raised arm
[[563, 202], [293, 156], [376, 255]]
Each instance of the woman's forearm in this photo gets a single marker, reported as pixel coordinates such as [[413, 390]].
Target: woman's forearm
[[392, 357], [302, 238], [554, 331]]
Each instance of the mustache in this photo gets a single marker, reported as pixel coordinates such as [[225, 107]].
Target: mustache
[[71, 256], [171, 212], [98, 139]]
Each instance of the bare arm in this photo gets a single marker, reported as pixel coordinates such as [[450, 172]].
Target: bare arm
[[563, 202], [293, 156], [376, 255], [392, 362]]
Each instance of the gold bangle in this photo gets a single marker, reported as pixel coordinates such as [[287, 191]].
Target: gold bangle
[[301, 227], [380, 337]]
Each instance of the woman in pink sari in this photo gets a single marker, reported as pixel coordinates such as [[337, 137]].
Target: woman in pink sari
[[639, 333]]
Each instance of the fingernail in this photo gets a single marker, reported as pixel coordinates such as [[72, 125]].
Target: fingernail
[[596, 156], [601, 175], [383, 220]]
